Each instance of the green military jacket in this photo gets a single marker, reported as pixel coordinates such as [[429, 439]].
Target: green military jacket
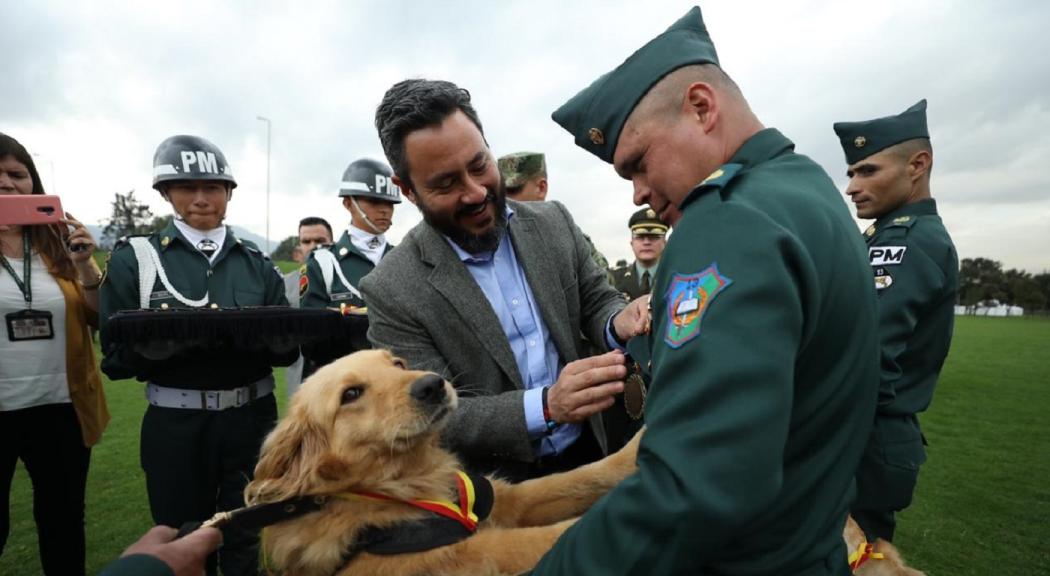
[[627, 281], [314, 294], [764, 382], [240, 276], [916, 273]]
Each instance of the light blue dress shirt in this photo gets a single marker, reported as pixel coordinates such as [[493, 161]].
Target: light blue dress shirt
[[504, 284]]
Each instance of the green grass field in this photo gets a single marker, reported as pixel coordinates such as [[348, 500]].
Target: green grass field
[[981, 508]]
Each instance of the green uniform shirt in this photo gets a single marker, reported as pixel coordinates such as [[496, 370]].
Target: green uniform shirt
[[917, 278], [240, 276], [629, 282], [354, 265], [764, 381]]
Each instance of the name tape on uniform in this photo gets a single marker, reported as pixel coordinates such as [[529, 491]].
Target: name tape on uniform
[[886, 255]]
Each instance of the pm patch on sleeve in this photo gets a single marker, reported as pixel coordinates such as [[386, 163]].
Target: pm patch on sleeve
[[886, 255], [688, 298]]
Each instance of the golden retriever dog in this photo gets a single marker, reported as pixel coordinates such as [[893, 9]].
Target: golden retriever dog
[[363, 433], [890, 564]]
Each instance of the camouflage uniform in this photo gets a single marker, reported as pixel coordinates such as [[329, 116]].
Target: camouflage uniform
[[520, 168]]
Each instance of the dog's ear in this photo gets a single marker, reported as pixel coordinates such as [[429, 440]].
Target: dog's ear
[[288, 455]]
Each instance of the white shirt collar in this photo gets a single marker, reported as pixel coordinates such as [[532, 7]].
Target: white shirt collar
[[370, 245], [195, 237]]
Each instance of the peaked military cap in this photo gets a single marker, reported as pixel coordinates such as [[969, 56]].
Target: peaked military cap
[[645, 221], [518, 168], [862, 139], [597, 114]]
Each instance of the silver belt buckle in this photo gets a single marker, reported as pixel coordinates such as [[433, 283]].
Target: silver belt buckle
[[241, 396], [212, 400]]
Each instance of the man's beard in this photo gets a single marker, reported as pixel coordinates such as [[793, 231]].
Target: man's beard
[[469, 242]]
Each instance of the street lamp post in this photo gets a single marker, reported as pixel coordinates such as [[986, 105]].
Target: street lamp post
[[268, 126]]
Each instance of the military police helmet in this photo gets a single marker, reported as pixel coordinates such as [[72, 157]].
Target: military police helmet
[[190, 158], [367, 178]]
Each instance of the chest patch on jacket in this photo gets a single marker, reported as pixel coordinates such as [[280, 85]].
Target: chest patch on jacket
[[886, 255]]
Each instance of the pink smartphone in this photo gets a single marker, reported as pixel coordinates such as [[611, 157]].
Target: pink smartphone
[[21, 209]]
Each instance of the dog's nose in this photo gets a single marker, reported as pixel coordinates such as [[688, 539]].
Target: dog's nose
[[429, 389]]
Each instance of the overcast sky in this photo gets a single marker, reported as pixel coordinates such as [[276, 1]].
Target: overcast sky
[[93, 87]]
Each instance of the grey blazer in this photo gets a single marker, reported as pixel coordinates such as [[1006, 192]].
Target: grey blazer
[[425, 307]]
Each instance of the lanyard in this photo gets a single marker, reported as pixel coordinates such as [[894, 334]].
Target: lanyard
[[23, 283]]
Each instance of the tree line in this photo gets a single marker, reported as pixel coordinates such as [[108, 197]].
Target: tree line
[[982, 280]]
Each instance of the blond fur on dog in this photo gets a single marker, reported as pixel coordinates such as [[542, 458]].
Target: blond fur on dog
[[890, 565], [354, 426]]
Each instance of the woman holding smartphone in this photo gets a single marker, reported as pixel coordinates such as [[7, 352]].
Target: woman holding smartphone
[[52, 405]]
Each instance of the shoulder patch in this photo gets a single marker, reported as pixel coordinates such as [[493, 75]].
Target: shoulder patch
[[304, 283], [886, 255], [688, 298]]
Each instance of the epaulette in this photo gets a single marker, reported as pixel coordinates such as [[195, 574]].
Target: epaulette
[[720, 177], [902, 221], [125, 240]]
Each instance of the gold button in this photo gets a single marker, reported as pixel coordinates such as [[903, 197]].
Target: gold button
[[596, 136], [165, 241], [860, 141], [164, 306], [214, 305], [343, 251]]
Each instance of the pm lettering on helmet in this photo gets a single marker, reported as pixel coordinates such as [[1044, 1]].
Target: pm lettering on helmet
[[205, 161], [386, 186], [886, 255]]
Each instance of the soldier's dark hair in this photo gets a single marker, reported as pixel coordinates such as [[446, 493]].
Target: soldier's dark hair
[[412, 105], [314, 221]]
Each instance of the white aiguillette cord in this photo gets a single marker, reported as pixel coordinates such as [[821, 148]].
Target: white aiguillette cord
[[329, 268], [150, 268]]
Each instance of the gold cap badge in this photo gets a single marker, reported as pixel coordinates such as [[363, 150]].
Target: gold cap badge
[[860, 141], [650, 213], [596, 136]]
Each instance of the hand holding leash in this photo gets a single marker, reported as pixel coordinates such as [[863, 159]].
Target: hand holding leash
[[586, 387], [185, 556]]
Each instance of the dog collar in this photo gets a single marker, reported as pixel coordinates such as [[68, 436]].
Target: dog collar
[[863, 553], [449, 522]]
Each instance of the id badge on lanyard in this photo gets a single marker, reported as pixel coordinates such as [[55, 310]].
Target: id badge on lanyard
[[26, 324]]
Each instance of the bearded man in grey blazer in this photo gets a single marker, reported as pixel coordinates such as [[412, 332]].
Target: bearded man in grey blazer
[[494, 296]]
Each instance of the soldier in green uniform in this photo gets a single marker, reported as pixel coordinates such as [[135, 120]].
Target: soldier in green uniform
[[332, 273], [916, 278], [763, 346], [208, 413], [524, 176], [648, 235]]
